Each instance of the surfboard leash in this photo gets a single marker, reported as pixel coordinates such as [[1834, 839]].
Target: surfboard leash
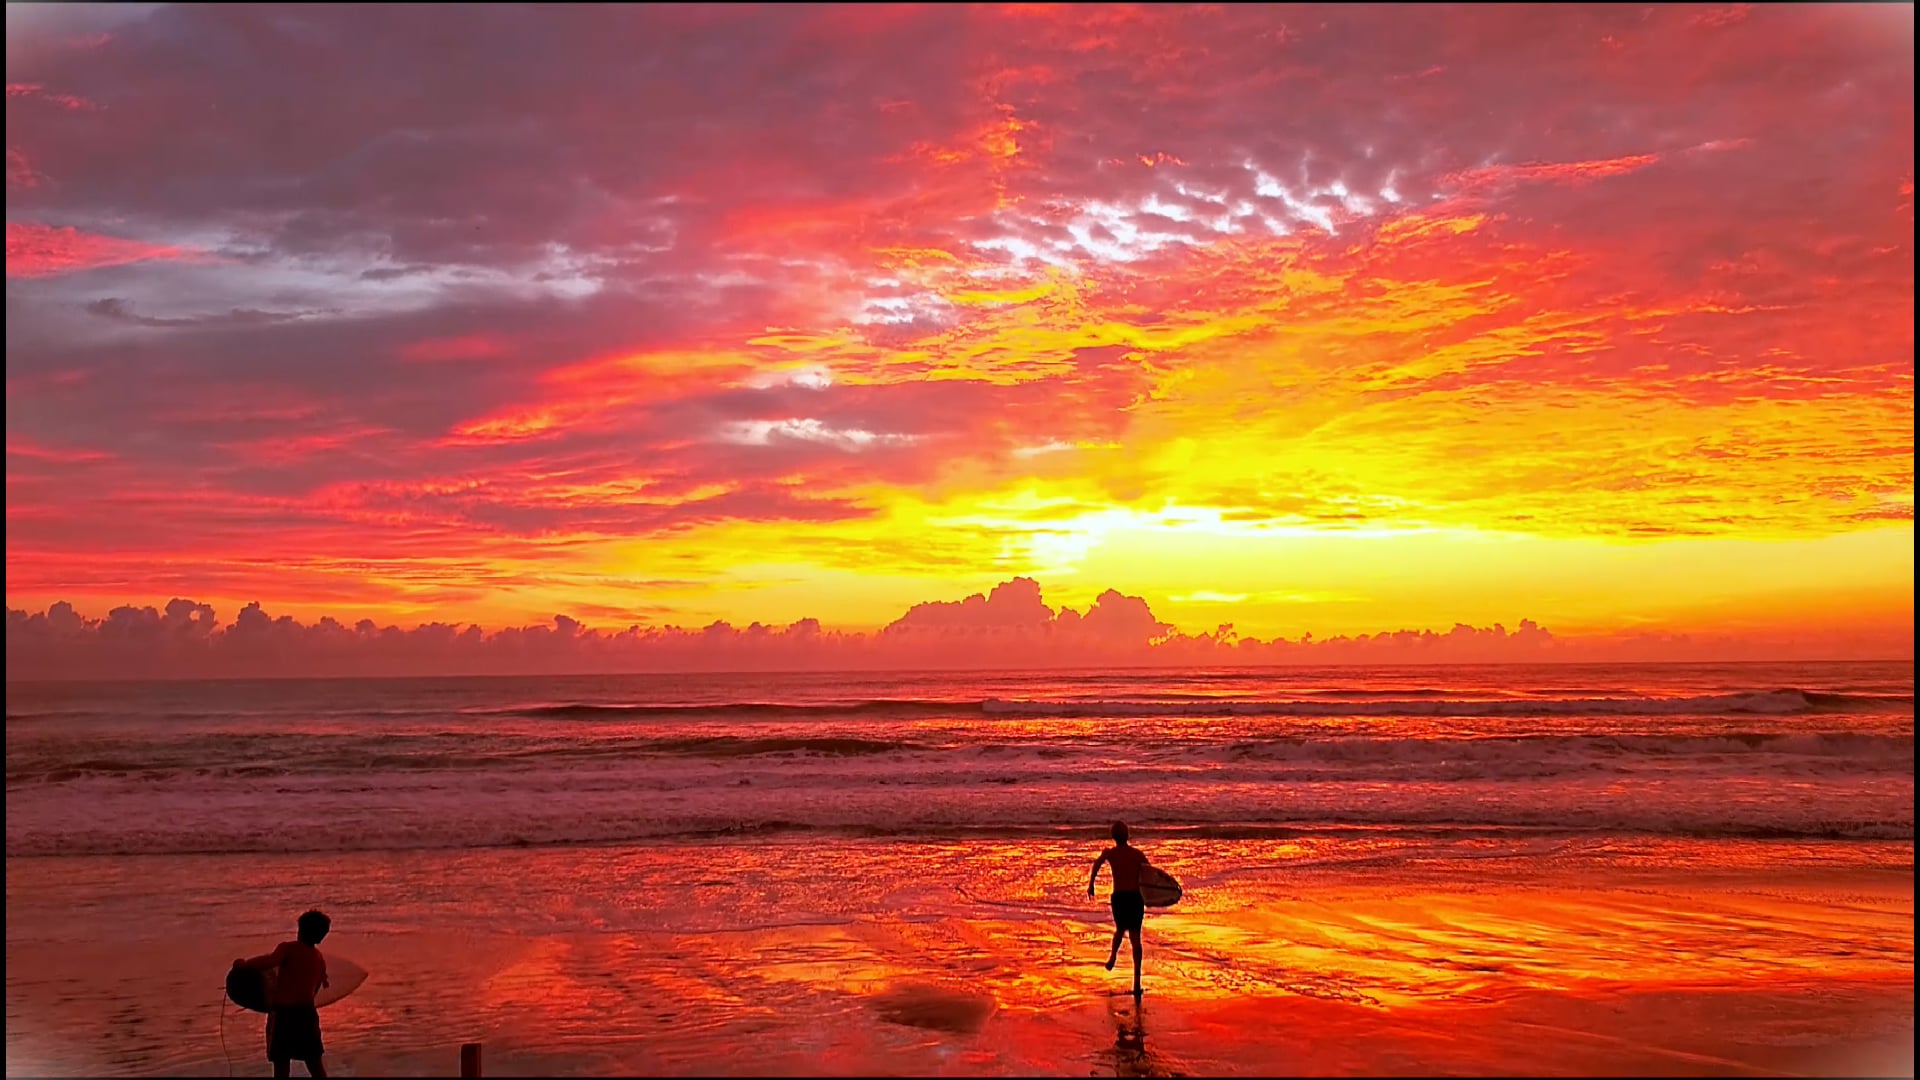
[[224, 1052]]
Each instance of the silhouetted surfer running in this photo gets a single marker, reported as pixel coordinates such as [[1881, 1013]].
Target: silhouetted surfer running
[[1129, 907]]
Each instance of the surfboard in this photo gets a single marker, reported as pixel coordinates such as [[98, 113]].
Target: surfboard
[[1157, 887], [248, 987]]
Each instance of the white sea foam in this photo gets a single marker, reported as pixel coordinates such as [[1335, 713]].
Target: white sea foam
[[1765, 702]]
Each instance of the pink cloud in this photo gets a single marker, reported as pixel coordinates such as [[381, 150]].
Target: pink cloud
[[462, 347], [1569, 172], [27, 448], [36, 251], [21, 175], [37, 92]]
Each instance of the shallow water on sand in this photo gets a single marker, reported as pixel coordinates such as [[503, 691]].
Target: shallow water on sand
[[983, 957]]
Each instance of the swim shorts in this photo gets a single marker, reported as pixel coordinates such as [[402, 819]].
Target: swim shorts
[[293, 1033]]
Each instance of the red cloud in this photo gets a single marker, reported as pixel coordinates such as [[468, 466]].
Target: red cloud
[[37, 251], [37, 92], [27, 448], [462, 347], [21, 175], [1570, 172]]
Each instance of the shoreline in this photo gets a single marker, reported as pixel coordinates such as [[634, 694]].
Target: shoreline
[[1851, 849]]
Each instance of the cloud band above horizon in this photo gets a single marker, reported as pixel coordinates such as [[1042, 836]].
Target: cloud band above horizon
[[1008, 627]]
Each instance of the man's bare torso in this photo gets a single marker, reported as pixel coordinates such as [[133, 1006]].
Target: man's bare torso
[[1126, 862]]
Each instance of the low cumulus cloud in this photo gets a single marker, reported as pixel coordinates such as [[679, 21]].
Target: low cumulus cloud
[[1009, 627]]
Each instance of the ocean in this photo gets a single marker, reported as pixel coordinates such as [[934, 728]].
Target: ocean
[[772, 851], [1817, 751]]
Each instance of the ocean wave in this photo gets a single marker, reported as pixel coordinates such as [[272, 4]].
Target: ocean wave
[[1836, 744], [1766, 702], [1748, 752], [1412, 701], [735, 746], [585, 831], [902, 708], [50, 714], [1277, 758]]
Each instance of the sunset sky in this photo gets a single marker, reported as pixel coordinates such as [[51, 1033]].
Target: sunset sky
[[1334, 319]]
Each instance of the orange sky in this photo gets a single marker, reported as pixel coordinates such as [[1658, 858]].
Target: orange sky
[[1332, 319]]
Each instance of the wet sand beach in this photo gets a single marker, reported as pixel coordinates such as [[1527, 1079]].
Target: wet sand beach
[[1482, 956]]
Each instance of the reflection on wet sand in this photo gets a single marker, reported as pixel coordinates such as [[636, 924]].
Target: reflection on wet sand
[[1131, 1057], [861, 959]]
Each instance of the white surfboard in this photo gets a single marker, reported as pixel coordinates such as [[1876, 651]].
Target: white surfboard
[[1157, 887], [343, 978], [252, 989]]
